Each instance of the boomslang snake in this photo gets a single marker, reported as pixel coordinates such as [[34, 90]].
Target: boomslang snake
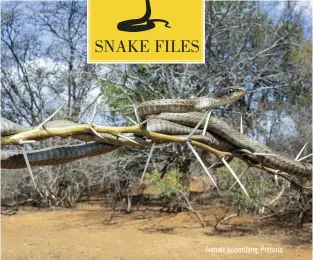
[[221, 136], [241, 141], [54, 156]]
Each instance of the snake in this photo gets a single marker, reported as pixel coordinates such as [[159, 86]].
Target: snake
[[178, 111], [218, 98], [170, 128], [141, 24], [104, 143], [14, 159], [54, 156], [51, 156], [241, 141], [173, 116]]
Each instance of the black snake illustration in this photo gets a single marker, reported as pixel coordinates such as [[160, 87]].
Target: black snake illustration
[[141, 24]]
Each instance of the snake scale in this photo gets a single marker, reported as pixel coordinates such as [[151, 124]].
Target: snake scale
[[169, 116]]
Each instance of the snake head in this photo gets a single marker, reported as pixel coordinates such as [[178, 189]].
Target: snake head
[[220, 97], [229, 94]]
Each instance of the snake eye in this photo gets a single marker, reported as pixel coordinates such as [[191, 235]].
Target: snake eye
[[230, 91]]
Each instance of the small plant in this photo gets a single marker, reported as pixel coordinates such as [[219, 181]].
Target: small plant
[[167, 186], [257, 185]]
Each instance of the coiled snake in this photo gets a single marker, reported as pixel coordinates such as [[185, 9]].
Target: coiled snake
[[51, 156], [141, 24], [171, 116]]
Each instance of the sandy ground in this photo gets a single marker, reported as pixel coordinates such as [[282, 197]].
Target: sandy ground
[[88, 233]]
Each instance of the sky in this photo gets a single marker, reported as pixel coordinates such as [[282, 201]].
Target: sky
[[274, 11]]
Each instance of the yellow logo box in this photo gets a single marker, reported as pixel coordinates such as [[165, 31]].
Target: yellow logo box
[[145, 31]]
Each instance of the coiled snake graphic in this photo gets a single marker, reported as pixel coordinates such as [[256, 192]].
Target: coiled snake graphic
[[141, 24]]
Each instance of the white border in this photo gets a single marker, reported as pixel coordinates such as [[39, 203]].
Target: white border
[[148, 61]]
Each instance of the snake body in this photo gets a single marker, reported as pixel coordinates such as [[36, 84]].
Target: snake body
[[106, 143], [54, 156], [10, 128], [170, 128], [225, 131], [218, 98], [14, 159], [169, 116]]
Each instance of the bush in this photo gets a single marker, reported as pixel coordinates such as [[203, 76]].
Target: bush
[[257, 183], [167, 186]]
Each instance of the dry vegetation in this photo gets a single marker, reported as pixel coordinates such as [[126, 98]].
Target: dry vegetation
[[95, 208]]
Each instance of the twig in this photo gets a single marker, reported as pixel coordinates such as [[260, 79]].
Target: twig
[[218, 220], [136, 114], [93, 114], [241, 124], [147, 163], [28, 166], [146, 120], [37, 134], [206, 122], [131, 120], [201, 162], [21, 142], [51, 116], [91, 123], [278, 196], [95, 132], [281, 174], [280, 213], [260, 89], [235, 176], [228, 218], [276, 181], [240, 176], [197, 126], [191, 208], [128, 139], [297, 157], [301, 159], [264, 154]]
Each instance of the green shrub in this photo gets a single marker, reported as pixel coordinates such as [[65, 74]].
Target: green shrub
[[257, 184], [168, 186]]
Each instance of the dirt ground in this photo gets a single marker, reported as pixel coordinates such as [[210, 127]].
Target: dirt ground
[[88, 233]]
